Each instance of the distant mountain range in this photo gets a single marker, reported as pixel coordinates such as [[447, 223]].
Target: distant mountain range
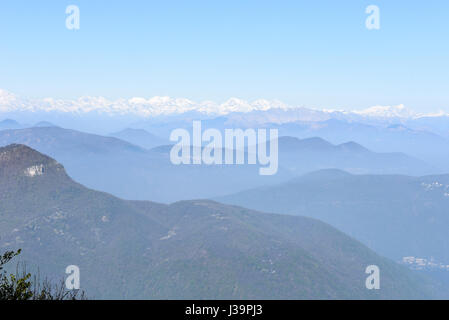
[[424, 136], [126, 170], [139, 137], [395, 215], [163, 105], [132, 172], [13, 124], [304, 155], [9, 124], [188, 250], [420, 143]]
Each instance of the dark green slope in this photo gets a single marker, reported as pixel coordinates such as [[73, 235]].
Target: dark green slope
[[190, 249], [395, 215]]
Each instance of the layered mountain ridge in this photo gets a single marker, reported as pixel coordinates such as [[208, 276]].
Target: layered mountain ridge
[[190, 249]]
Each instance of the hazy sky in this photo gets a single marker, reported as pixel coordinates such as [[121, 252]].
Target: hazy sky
[[309, 53]]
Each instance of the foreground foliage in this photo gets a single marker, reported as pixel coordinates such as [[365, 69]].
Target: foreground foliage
[[24, 286]]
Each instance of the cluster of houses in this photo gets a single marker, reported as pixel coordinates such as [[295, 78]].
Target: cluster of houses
[[422, 263]]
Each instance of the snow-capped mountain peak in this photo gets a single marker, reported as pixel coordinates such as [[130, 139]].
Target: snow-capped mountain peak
[[265, 110], [399, 111]]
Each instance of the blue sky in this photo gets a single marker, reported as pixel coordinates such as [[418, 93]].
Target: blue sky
[[310, 53]]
